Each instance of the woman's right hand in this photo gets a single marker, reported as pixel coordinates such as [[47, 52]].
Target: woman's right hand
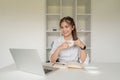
[[64, 45]]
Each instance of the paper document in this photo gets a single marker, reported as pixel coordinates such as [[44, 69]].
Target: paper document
[[68, 65]]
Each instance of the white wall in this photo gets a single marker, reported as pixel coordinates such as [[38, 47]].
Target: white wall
[[21, 26], [105, 31]]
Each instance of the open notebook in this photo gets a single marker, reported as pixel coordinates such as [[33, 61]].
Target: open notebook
[[74, 65]]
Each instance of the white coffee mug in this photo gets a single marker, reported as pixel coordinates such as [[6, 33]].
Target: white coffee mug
[[71, 43]]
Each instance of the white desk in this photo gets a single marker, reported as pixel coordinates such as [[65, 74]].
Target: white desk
[[11, 73], [101, 71]]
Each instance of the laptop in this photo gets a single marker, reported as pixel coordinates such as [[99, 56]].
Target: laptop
[[28, 60]]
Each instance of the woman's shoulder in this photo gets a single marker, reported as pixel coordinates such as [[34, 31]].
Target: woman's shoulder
[[59, 39]]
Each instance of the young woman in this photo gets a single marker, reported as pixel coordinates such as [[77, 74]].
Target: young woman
[[68, 48]]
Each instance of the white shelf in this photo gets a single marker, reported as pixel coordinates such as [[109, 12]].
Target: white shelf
[[52, 21], [80, 10], [53, 14], [68, 8], [83, 6], [53, 31], [82, 31], [84, 14], [53, 6]]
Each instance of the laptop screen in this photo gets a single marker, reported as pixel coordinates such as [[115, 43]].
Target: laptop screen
[[28, 60]]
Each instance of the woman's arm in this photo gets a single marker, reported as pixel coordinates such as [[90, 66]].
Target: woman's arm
[[83, 54], [54, 56]]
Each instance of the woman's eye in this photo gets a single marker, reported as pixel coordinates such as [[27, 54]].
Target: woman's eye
[[66, 26]]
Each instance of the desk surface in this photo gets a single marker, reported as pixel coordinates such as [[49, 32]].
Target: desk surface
[[101, 71]]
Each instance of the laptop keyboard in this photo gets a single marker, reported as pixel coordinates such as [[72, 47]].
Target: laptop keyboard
[[47, 70]]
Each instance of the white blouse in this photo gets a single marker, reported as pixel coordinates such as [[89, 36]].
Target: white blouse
[[71, 54]]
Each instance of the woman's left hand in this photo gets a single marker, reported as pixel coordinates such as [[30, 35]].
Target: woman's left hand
[[79, 43]]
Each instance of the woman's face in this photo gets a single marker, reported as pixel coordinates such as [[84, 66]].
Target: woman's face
[[66, 29]]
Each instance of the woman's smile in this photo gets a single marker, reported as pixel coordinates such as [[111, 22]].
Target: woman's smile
[[66, 29]]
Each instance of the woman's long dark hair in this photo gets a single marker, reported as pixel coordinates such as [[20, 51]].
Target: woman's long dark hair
[[70, 21]]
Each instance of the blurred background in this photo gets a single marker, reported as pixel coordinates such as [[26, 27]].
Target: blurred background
[[23, 25]]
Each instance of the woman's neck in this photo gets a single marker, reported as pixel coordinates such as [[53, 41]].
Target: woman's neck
[[68, 37]]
